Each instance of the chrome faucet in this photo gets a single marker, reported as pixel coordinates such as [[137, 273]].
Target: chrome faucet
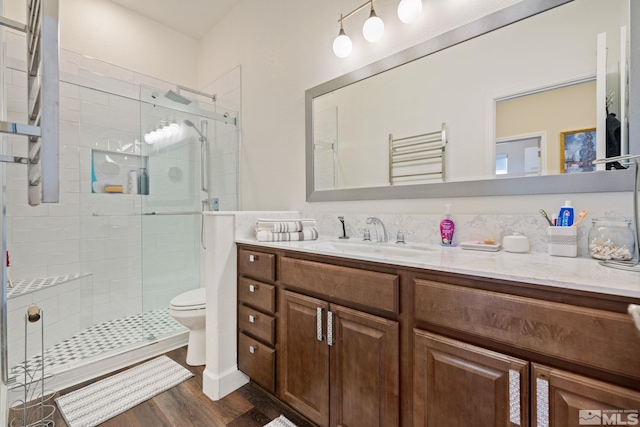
[[384, 238]]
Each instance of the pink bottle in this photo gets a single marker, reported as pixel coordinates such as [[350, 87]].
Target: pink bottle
[[446, 228]]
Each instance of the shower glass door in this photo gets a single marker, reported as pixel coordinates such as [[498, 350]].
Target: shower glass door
[[174, 182]]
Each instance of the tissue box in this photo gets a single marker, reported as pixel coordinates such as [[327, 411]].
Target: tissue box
[[563, 241]]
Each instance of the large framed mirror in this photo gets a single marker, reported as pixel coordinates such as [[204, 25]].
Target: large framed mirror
[[505, 99]]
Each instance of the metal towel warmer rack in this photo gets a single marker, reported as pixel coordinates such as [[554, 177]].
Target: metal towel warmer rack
[[41, 129], [417, 157]]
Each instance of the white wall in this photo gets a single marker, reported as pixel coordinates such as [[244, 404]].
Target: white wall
[[111, 33], [285, 48]]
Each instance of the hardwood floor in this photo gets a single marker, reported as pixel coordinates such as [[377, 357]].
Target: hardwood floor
[[185, 405]]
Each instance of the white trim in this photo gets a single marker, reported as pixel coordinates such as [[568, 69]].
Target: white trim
[[543, 147], [215, 387], [601, 97], [512, 92]]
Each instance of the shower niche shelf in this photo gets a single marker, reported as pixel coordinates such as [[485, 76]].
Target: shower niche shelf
[[112, 168]]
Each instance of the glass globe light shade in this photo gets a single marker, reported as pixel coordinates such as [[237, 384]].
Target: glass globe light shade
[[166, 131], [342, 45], [409, 10], [155, 136], [175, 128], [373, 28], [148, 139]]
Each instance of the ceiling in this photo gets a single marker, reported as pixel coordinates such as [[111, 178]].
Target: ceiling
[[191, 17]]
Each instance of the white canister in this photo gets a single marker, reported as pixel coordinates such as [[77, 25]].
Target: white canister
[[515, 243], [133, 182]]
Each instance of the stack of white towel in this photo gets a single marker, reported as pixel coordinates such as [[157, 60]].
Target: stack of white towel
[[284, 230]]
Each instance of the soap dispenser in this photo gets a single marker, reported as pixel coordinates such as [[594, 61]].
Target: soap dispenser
[[447, 228]]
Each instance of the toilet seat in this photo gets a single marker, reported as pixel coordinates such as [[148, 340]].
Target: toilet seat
[[190, 300]]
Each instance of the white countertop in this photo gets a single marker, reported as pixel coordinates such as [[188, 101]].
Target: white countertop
[[583, 274]]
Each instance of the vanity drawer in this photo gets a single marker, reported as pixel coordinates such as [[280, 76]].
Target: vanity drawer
[[257, 361], [256, 294], [596, 338], [367, 288], [258, 265], [257, 324]]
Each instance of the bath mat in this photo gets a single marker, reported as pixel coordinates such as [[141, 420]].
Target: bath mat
[[281, 421], [102, 400]]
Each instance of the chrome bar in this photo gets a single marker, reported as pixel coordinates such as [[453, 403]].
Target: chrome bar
[[168, 213], [417, 174], [4, 368], [13, 159], [204, 143], [15, 25], [432, 157], [436, 136], [19, 129], [50, 102]]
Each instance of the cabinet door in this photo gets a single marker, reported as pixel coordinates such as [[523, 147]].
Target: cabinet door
[[563, 399], [457, 384], [364, 369], [304, 359]]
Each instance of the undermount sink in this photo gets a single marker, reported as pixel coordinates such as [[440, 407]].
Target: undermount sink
[[377, 250]]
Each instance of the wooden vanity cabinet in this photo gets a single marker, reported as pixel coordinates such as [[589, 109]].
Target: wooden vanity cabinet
[[338, 366], [361, 344], [457, 384], [257, 317]]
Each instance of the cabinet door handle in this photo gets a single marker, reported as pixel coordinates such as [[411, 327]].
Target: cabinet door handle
[[252, 319], [330, 328], [252, 349], [252, 288], [319, 336], [515, 412], [252, 258]]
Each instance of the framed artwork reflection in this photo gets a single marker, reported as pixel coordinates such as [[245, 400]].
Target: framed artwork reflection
[[577, 151]]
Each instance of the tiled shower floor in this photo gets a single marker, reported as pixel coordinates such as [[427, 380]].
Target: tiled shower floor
[[103, 337]]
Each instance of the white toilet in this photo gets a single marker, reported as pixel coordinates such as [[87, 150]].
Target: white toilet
[[189, 309]]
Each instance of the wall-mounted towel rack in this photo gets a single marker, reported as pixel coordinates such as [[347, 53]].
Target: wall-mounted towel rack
[[417, 158], [42, 128]]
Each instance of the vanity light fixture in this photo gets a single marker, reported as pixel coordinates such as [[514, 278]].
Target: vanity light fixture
[[373, 28], [165, 130], [342, 45], [409, 10]]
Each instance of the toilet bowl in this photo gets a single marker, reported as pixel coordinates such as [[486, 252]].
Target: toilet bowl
[[189, 309]]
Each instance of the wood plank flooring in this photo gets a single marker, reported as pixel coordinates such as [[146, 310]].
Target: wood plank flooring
[[185, 406]]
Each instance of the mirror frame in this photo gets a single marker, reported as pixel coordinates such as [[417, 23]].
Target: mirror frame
[[593, 182]]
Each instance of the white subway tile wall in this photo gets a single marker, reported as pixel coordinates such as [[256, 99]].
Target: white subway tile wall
[[135, 262]]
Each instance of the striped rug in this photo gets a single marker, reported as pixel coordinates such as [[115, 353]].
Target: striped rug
[[102, 400], [281, 421]]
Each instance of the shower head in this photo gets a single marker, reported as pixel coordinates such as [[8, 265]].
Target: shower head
[[176, 97], [190, 124]]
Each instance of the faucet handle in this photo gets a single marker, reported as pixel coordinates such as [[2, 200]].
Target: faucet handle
[[366, 234], [400, 235]]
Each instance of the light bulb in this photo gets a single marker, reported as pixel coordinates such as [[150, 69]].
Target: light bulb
[[342, 45], [373, 28], [409, 10]]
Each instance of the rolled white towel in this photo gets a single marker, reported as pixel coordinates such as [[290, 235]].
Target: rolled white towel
[[269, 236], [634, 312]]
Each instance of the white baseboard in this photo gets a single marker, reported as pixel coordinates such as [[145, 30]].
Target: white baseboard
[[215, 387], [4, 405]]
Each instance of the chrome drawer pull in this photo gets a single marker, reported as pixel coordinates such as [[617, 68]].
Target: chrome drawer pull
[[252, 349], [252, 258], [252, 288], [252, 319], [319, 324], [329, 328]]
